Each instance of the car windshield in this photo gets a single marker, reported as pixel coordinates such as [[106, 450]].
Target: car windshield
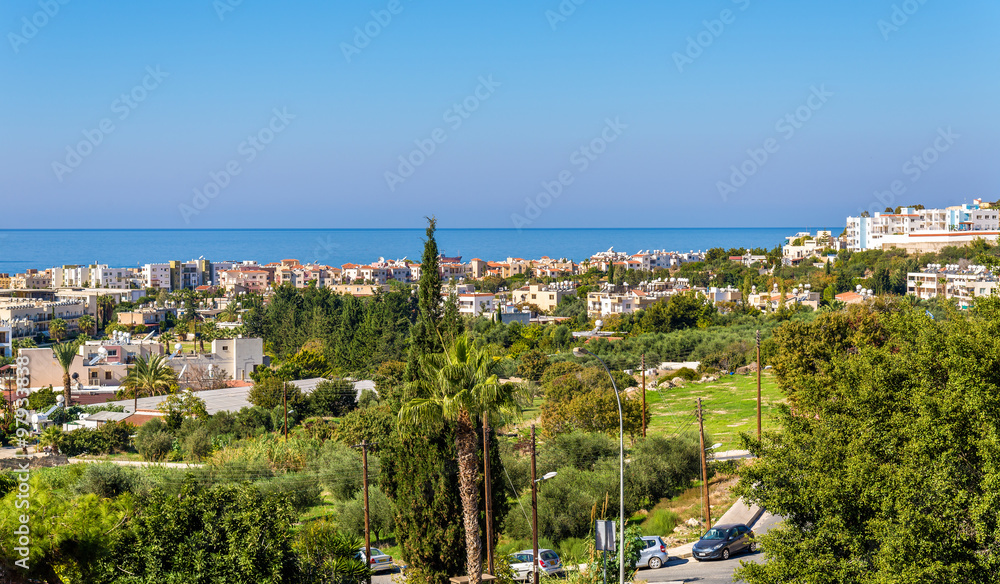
[[716, 534], [376, 552]]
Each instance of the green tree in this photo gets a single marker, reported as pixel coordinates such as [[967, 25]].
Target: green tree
[[333, 398], [87, 324], [57, 329], [270, 393], [227, 533], [532, 365], [460, 387], [425, 336], [884, 468], [150, 375], [64, 354]]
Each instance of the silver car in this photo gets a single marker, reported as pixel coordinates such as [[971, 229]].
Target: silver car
[[548, 565], [379, 562], [654, 553]]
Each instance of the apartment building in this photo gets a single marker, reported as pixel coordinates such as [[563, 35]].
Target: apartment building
[[236, 357], [90, 296], [545, 296], [476, 303], [805, 245], [359, 289], [149, 317], [6, 341], [923, 230], [27, 318], [604, 302], [31, 279], [961, 282], [300, 276], [246, 279]]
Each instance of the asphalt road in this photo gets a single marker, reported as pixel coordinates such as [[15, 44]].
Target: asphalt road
[[681, 570], [712, 572]]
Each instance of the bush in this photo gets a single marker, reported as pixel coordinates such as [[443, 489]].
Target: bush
[[687, 374], [332, 398], [367, 398], [301, 489], [153, 441], [198, 444], [108, 480], [253, 421], [660, 522], [110, 438], [269, 394], [661, 467], [339, 469], [381, 519], [42, 399]]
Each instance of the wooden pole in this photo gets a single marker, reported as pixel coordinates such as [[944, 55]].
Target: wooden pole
[[758, 384], [488, 492], [704, 469], [364, 479], [643, 364], [534, 512]]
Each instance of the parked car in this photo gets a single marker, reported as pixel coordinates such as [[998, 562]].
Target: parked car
[[380, 562], [548, 565], [724, 540], [654, 553]]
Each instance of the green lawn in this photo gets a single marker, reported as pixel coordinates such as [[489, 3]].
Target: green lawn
[[730, 407]]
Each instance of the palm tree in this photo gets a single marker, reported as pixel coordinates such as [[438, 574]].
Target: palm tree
[[87, 324], [151, 376], [167, 339], [57, 329], [65, 353], [460, 386]]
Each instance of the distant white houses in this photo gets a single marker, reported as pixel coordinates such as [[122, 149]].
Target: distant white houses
[[961, 282], [924, 230]]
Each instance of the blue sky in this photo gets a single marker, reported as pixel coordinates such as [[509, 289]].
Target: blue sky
[[643, 109]]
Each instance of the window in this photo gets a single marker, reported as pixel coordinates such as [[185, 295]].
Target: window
[[225, 348], [107, 375]]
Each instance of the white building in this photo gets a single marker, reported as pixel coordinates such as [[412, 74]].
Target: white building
[[961, 282], [6, 341], [923, 229]]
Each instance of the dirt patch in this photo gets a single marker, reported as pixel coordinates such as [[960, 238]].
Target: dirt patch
[[33, 461]]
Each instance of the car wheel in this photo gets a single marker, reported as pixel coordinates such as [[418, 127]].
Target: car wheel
[[655, 563], [725, 554], [753, 547]]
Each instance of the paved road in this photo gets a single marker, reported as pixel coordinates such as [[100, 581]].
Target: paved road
[[713, 572], [683, 570]]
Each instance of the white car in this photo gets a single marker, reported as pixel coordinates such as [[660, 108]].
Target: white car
[[380, 562], [549, 564]]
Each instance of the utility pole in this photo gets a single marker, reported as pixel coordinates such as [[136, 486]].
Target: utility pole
[[534, 512], [364, 481], [704, 469], [643, 365], [488, 493], [758, 384], [284, 404]]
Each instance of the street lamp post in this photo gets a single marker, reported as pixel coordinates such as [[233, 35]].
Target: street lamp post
[[534, 510], [579, 352]]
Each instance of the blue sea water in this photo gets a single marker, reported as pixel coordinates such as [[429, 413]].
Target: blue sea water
[[44, 248]]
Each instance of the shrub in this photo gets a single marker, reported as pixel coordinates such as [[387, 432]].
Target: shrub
[[660, 522], [108, 480], [301, 489], [687, 374], [332, 398], [198, 444], [381, 518], [155, 446], [368, 398]]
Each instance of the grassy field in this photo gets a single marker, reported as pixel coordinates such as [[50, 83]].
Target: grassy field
[[730, 407]]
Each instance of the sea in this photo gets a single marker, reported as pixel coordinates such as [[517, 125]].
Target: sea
[[118, 248]]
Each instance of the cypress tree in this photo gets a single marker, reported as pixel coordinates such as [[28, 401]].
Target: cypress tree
[[425, 337]]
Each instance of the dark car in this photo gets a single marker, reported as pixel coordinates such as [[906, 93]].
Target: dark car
[[723, 541]]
